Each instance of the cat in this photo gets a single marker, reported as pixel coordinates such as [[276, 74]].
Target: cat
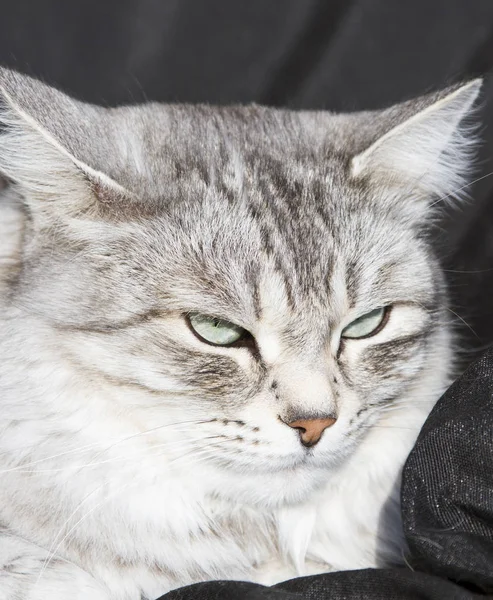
[[221, 331]]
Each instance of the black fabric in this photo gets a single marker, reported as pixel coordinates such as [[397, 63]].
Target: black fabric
[[448, 483], [447, 509], [339, 55]]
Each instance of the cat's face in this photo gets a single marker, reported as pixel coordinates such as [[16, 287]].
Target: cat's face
[[260, 287]]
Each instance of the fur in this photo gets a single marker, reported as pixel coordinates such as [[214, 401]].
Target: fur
[[133, 457]]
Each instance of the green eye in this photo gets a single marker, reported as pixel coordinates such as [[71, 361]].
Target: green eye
[[216, 331], [367, 325]]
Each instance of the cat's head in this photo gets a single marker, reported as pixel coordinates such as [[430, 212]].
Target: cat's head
[[257, 281]]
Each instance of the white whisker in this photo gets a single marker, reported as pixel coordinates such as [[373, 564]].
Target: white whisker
[[463, 320], [185, 443], [53, 550], [96, 445], [456, 191]]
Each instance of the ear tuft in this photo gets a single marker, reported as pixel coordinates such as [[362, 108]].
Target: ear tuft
[[431, 151]]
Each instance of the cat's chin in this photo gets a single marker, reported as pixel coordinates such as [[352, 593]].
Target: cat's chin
[[277, 488]]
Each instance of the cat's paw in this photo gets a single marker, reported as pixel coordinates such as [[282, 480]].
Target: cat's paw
[[273, 572], [276, 571]]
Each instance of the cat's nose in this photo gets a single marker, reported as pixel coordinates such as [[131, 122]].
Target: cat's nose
[[311, 430]]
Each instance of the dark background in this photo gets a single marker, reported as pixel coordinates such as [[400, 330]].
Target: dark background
[[338, 55]]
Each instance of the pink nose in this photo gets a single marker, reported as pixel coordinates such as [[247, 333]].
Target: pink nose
[[311, 430]]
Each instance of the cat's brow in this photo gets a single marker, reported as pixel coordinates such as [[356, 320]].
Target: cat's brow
[[113, 326]]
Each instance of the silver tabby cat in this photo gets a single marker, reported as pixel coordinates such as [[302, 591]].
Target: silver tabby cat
[[220, 332]]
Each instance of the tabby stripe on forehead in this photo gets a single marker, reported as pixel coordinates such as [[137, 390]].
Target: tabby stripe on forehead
[[351, 282], [283, 266], [294, 241]]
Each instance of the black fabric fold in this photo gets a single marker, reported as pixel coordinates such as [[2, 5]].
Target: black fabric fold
[[447, 489]]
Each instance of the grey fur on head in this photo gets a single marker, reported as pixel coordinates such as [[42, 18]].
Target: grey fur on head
[[156, 459]]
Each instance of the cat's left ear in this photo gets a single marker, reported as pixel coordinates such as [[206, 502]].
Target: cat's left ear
[[428, 147]]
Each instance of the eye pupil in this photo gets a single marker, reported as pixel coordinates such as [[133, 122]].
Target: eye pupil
[[215, 331]]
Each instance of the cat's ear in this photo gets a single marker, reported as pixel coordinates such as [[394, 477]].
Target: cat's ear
[[46, 149], [429, 150]]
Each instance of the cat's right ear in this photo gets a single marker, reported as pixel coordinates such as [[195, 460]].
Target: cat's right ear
[[46, 149]]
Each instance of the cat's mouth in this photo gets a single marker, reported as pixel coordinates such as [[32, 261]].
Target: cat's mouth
[[301, 459]]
